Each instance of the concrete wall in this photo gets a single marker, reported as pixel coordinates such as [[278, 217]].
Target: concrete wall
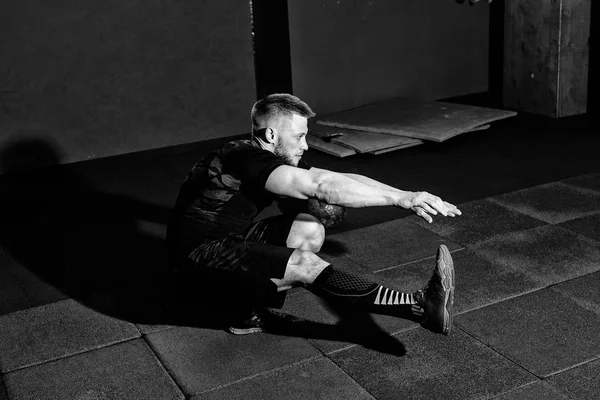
[[347, 53], [99, 78]]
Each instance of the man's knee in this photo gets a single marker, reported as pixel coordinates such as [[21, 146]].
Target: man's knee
[[303, 267], [316, 236], [307, 233]]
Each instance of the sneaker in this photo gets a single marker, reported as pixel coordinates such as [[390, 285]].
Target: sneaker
[[437, 297], [251, 323], [262, 321]]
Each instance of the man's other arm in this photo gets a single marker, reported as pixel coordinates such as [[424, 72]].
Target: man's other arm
[[337, 188]]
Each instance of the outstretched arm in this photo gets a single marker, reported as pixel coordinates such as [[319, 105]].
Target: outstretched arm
[[420, 211], [336, 188]]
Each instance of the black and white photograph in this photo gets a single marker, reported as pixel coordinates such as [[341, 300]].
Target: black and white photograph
[[299, 199]]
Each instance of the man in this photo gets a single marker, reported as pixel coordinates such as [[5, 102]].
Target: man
[[214, 239]]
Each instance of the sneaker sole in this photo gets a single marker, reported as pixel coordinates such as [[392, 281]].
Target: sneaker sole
[[244, 331], [447, 272]]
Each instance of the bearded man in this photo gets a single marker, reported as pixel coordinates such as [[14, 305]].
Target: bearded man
[[217, 247]]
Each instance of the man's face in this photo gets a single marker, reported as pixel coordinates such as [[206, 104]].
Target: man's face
[[291, 139]]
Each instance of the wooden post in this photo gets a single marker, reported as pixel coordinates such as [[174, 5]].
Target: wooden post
[[546, 56]]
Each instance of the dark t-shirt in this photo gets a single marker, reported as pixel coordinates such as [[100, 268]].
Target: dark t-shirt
[[222, 194]]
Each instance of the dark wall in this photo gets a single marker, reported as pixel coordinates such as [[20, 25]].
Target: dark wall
[[347, 53], [98, 78]]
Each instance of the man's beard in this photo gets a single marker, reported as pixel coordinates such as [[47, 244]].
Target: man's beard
[[286, 158]]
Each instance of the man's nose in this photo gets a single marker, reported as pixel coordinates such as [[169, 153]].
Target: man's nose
[[304, 145]]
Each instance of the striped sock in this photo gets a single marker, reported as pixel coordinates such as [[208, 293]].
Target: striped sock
[[390, 297], [365, 294]]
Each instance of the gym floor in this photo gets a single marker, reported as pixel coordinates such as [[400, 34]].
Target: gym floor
[[87, 312]]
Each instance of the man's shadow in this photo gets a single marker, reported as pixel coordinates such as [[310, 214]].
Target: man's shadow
[[91, 246]]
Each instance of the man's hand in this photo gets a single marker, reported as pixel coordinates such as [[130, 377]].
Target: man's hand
[[425, 205]]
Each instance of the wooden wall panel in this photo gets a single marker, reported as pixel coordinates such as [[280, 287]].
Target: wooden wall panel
[[546, 56]]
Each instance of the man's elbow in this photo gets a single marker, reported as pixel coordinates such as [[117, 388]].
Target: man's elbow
[[324, 187]]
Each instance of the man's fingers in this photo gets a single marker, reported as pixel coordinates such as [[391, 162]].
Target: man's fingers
[[430, 203], [439, 206], [423, 214], [452, 209], [428, 208]]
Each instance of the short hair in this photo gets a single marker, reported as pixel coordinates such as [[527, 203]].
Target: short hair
[[277, 105]]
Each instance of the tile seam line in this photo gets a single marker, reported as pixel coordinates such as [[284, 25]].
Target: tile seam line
[[258, 374], [16, 277], [581, 189], [467, 332], [496, 396], [499, 235], [503, 300], [415, 325], [415, 261], [476, 245], [352, 378], [514, 208], [69, 355], [495, 236], [511, 207], [164, 367], [550, 286], [569, 368], [492, 348]]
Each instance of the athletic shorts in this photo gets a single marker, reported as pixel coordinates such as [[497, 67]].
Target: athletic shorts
[[238, 269]]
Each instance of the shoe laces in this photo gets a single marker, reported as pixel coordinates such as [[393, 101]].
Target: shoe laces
[[254, 319], [434, 285], [419, 296]]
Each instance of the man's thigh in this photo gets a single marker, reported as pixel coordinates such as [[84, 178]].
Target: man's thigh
[[273, 230], [236, 271]]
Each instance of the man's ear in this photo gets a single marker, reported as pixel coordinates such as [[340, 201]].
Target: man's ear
[[270, 135]]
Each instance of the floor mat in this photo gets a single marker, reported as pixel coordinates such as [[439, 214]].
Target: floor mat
[[426, 120]]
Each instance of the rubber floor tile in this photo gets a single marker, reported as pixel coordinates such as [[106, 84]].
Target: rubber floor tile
[[480, 220], [41, 334], [544, 331], [553, 203], [56, 264], [3, 394], [203, 359], [434, 367], [581, 382], [585, 291], [390, 244], [587, 226], [123, 371], [539, 390], [478, 282], [590, 181], [37, 290], [12, 296], [547, 255], [146, 329], [332, 327], [316, 379]]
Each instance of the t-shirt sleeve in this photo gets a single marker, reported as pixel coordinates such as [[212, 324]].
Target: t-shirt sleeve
[[252, 165], [304, 165]]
